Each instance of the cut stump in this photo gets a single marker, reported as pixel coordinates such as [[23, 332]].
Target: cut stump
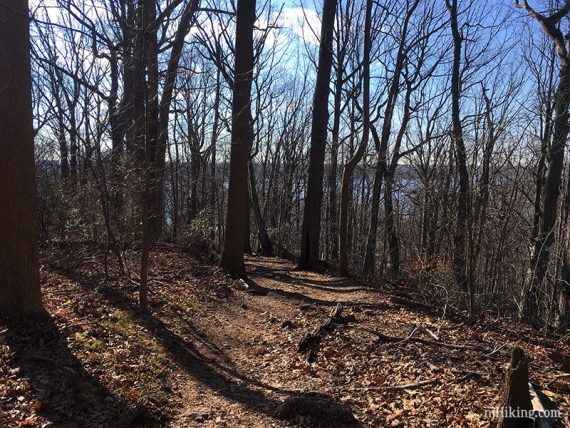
[[516, 395]]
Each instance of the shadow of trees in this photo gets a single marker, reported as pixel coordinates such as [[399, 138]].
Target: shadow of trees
[[225, 381], [66, 394], [256, 288]]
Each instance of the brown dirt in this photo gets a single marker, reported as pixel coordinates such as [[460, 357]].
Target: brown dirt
[[214, 354]]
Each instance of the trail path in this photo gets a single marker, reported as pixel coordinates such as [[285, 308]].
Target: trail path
[[213, 353], [258, 365]]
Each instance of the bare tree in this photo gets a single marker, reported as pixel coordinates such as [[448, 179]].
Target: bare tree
[[545, 239], [310, 237], [351, 164]]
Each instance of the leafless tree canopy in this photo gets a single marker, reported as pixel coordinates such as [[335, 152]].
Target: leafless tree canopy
[[384, 139]]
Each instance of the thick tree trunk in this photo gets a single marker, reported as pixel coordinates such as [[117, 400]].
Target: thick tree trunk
[[311, 232], [20, 294], [232, 255], [247, 249]]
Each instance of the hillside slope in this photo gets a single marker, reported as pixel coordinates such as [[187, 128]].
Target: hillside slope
[[216, 353]]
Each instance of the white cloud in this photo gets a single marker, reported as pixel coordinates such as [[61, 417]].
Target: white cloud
[[302, 22]]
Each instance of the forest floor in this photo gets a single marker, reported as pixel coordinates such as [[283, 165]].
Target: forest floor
[[215, 353]]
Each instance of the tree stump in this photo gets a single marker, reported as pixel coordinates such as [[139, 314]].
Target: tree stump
[[515, 395]]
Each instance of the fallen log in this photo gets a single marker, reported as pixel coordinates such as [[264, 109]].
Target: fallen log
[[539, 407], [311, 340]]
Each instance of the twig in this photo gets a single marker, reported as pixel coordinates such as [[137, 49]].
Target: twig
[[407, 339], [387, 338], [492, 353], [431, 333], [413, 385], [462, 378], [556, 378]]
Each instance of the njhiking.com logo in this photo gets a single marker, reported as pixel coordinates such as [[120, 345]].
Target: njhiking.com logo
[[509, 412]]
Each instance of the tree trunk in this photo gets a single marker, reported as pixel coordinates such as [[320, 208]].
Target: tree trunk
[[391, 233], [545, 240], [155, 203], [20, 294], [332, 183], [311, 231], [382, 143], [351, 164], [563, 284], [213, 185], [116, 122], [460, 237], [159, 155], [264, 242], [232, 255], [540, 256], [370, 250]]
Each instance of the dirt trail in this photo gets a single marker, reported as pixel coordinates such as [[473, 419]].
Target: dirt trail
[[212, 353], [249, 329], [260, 366]]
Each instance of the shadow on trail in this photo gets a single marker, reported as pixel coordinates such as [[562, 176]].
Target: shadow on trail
[[333, 285], [225, 381], [256, 288], [66, 394]]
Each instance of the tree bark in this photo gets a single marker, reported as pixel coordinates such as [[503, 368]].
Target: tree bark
[[311, 231], [540, 257], [20, 294], [460, 237], [516, 395], [351, 164], [232, 256]]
